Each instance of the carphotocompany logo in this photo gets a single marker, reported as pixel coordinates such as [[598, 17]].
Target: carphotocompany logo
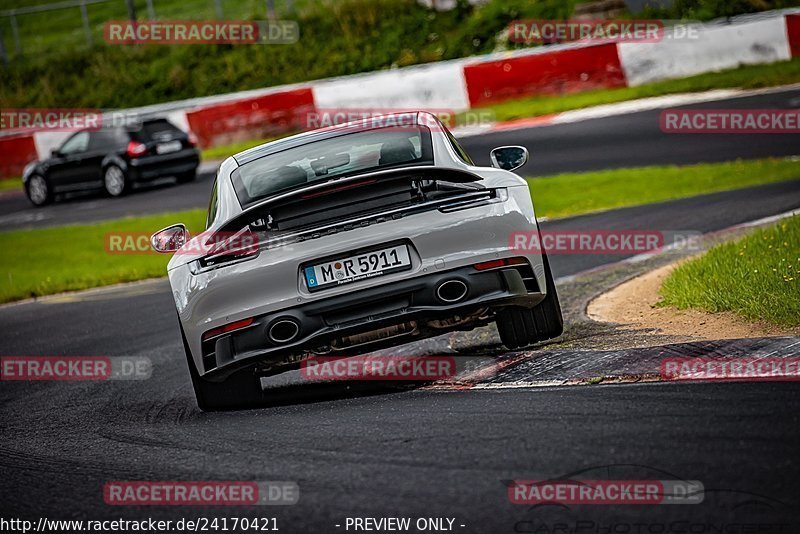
[[767, 369], [78, 368], [609, 242], [233, 32], [605, 492], [730, 121], [200, 493]]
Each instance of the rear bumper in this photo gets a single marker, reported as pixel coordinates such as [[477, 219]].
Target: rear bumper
[[408, 302], [152, 167]]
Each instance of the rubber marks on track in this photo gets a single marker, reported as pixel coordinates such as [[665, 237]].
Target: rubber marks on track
[[565, 367]]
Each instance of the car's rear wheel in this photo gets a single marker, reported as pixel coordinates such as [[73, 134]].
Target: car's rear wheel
[[38, 190], [240, 390], [520, 327], [186, 177], [115, 182]]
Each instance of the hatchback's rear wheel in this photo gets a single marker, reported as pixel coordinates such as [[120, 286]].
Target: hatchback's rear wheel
[[240, 390], [520, 327], [114, 181], [38, 190]]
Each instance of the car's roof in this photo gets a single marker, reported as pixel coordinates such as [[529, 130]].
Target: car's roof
[[368, 123]]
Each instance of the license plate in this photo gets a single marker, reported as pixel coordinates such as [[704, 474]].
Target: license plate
[[165, 148], [360, 267]]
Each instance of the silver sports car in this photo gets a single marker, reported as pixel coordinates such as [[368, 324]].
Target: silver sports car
[[349, 239]]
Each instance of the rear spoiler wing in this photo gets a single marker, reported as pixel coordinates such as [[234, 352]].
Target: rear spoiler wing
[[415, 172]]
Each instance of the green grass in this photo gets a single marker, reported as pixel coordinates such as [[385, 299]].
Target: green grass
[[52, 260], [757, 277], [222, 152], [747, 77], [10, 183], [337, 38], [572, 194]]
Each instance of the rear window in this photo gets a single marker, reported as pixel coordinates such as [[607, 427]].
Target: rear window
[[158, 129], [348, 154], [107, 139]]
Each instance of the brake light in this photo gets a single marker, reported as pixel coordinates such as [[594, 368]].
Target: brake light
[[136, 149], [494, 264], [229, 247], [230, 327]]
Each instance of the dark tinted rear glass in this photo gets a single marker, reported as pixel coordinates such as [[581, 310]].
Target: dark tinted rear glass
[[107, 139], [326, 159], [157, 130]]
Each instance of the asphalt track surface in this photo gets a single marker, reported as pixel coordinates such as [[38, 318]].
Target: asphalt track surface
[[630, 140], [384, 451]]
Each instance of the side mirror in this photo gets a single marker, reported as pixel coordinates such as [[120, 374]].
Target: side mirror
[[170, 238], [509, 157], [55, 153]]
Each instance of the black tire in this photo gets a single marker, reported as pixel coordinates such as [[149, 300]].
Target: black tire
[[35, 195], [115, 181], [240, 390], [186, 177], [520, 327]]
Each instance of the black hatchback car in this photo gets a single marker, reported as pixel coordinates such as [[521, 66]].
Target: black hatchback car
[[113, 159]]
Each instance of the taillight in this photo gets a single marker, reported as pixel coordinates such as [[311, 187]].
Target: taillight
[[230, 247], [192, 139], [230, 327], [136, 149], [494, 264]]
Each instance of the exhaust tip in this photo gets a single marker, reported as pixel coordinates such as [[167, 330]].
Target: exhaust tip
[[283, 331], [452, 291]]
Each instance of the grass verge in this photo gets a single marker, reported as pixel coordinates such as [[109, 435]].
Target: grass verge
[[7, 184], [757, 277], [747, 77], [222, 152], [53, 260], [573, 194]]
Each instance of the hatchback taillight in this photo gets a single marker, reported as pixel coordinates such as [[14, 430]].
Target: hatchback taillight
[[136, 149]]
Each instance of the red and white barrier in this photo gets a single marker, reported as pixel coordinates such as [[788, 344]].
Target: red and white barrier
[[543, 71], [251, 118], [466, 83], [715, 48]]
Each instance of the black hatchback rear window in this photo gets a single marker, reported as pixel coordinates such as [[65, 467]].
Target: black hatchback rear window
[[158, 129]]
